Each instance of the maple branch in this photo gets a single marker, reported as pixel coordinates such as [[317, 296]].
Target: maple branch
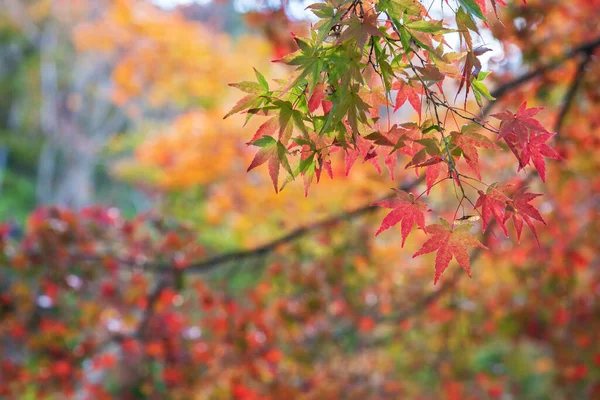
[[236, 256], [570, 95], [153, 297], [425, 301], [503, 89], [291, 236]]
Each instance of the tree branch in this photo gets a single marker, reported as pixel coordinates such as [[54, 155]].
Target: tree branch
[[303, 231], [153, 297], [236, 256], [294, 235], [503, 89], [570, 95]]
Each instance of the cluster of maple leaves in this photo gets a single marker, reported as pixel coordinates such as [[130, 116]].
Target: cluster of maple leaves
[[259, 345], [361, 53]]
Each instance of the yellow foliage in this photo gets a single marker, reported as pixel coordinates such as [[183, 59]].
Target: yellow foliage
[[164, 59]]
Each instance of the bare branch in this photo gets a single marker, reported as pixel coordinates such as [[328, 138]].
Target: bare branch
[[505, 88], [570, 95], [294, 235], [153, 297]]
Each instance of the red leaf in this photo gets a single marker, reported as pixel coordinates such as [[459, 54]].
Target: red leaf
[[391, 160], [405, 209], [516, 127], [316, 98], [520, 210], [492, 203], [449, 243], [366, 150], [536, 150], [468, 141], [406, 92], [268, 128], [268, 153], [433, 171]]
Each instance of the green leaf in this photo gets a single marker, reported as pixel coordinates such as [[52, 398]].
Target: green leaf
[[472, 8], [398, 7], [428, 26], [432, 128], [431, 146], [322, 10], [248, 87], [282, 153], [264, 141], [250, 101], [304, 165], [480, 89], [261, 79]]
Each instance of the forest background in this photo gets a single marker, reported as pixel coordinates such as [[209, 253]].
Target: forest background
[[140, 258]]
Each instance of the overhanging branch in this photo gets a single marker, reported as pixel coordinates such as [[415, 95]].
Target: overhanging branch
[[208, 264], [502, 90]]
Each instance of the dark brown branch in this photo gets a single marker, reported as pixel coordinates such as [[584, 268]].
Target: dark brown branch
[[295, 234], [211, 263], [505, 88], [499, 92], [303, 231], [153, 297], [570, 95]]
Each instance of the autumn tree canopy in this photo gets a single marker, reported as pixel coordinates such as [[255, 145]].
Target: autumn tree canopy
[[253, 200]]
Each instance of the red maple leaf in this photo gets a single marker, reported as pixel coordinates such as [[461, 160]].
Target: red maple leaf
[[449, 243], [520, 210], [365, 149], [406, 92], [434, 166], [517, 126], [268, 128], [492, 204], [468, 141], [317, 97], [536, 150], [405, 209], [433, 172]]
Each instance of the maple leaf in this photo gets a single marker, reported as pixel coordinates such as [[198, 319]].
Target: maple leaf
[[433, 172], [434, 166], [268, 128], [406, 92], [317, 97], [273, 152], [365, 149], [468, 141], [449, 243], [536, 149], [492, 204], [375, 98], [405, 209], [405, 137], [520, 210], [519, 124], [360, 30]]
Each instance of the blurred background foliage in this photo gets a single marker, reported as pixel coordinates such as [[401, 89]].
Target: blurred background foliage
[[120, 103]]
